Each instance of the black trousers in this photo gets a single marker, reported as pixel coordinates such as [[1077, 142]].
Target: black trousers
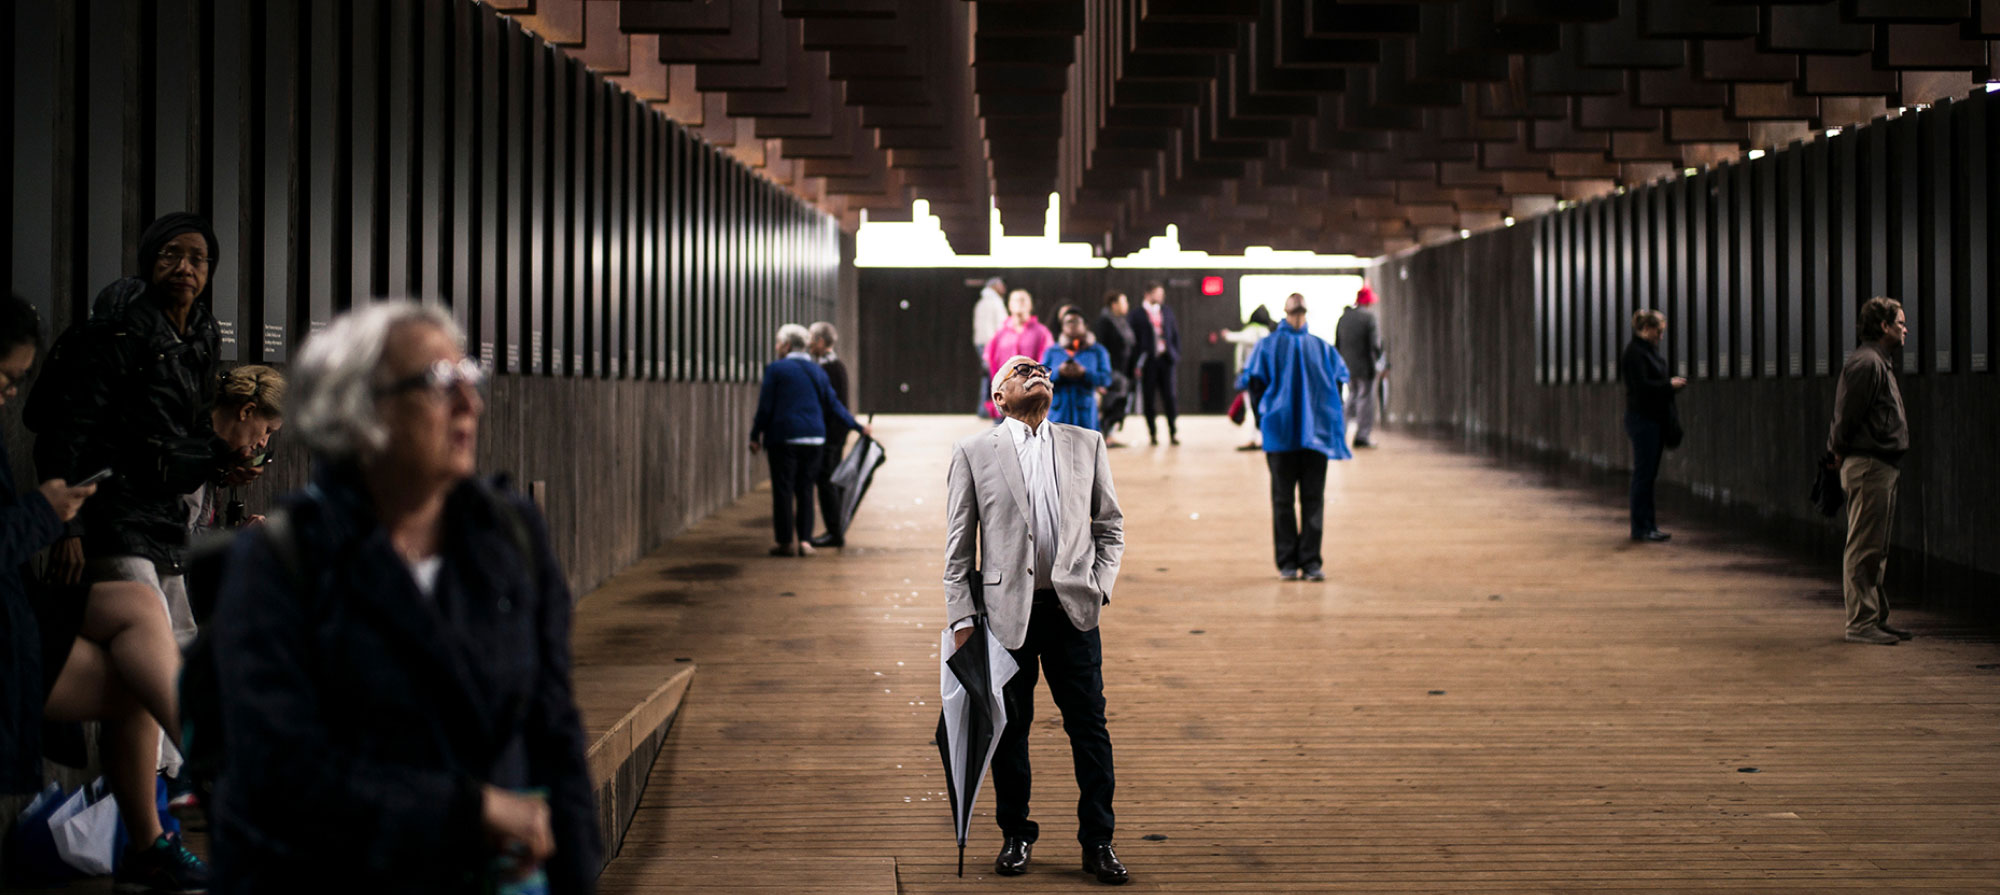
[[1297, 533], [793, 469], [1074, 663], [1157, 379], [829, 497], [1646, 447]]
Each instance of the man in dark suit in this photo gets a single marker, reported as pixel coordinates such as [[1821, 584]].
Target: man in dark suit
[[1030, 508], [1156, 349]]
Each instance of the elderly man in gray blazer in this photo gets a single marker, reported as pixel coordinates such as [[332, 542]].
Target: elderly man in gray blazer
[[1032, 501]]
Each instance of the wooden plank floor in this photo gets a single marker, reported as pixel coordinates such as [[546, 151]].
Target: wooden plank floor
[[1495, 692]]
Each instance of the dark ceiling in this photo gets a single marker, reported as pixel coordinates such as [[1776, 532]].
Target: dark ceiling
[[1361, 127]]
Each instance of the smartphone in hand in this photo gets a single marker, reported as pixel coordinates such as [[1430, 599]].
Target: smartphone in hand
[[95, 478]]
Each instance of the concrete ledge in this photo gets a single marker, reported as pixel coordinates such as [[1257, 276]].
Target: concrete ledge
[[621, 757]]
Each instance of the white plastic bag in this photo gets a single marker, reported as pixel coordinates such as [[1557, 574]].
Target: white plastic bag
[[86, 832]]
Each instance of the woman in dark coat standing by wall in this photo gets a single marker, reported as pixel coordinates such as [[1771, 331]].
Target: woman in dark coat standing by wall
[[1649, 415], [394, 649]]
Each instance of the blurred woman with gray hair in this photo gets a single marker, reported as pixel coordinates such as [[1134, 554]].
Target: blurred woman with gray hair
[[395, 642], [790, 428]]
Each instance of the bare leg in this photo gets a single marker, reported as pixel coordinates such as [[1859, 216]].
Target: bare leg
[[90, 690], [126, 619]]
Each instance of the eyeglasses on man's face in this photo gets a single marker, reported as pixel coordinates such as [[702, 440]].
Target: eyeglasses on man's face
[[440, 379], [1029, 371], [173, 257]]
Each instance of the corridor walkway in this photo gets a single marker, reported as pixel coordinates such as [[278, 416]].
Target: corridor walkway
[[1494, 692]]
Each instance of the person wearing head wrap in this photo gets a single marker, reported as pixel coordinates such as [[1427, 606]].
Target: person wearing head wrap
[[1358, 337], [130, 390]]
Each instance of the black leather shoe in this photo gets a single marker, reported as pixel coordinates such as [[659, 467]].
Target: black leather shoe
[[1655, 536], [828, 541], [1013, 860], [1897, 633], [1102, 861]]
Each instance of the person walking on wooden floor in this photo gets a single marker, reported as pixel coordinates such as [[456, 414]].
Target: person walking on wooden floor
[[1303, 428], [1032, 501]]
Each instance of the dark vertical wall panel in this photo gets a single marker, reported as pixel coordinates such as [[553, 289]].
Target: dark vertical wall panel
[[280, 89], [1764, 208], [1744, 272], [1973, 231], [402, 213], [486, 293], [367, 212], [1694, 241], [463, 279], [34, 269], [1820, 215], [1906, 227], [226, 156], [322, 151], [1724, 278], [172, 149], [515, 140], [438, 121], [107, 232], [1853, 267], [540, 137], [1935, 280], [581, 295], [1560, 260], [1544, 253], [562, 212]]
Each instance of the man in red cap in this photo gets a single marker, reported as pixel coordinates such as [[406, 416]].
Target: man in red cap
[[1359, 340]]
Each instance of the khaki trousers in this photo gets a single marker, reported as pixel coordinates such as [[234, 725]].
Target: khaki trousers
[[1871, 508]]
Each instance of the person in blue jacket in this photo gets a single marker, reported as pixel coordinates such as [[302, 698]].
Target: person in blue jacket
[[1082, 367], [1303, 427], [790, 428]]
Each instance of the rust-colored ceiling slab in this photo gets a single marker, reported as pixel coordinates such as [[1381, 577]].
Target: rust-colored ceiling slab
[[1356, 126]]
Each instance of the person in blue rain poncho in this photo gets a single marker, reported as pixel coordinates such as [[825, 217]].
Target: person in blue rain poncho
[[1081, 368], [1303, 427]]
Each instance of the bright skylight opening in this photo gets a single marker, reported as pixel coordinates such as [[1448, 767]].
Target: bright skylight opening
[[920, 242]]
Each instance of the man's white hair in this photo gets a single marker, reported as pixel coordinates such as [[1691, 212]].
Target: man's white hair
[[794, 337], [338, 370]]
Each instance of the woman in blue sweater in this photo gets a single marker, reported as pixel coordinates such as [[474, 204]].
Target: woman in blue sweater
[[1082, 368], [790, 428]]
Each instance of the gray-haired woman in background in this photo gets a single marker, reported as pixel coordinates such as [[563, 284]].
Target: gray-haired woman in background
[[395, 647]]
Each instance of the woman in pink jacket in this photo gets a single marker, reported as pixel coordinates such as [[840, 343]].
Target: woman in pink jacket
[[1022, 334]]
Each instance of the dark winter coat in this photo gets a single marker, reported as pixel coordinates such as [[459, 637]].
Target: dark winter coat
[[27, 526], [363, 717], [133, 395], [795, 401]]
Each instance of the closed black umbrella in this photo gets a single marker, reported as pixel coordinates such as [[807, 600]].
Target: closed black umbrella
[[853, 476], [970, 681]]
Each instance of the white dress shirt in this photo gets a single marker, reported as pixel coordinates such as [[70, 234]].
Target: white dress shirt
[[1036, 449]]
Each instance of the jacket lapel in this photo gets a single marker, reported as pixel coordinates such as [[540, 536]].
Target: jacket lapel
[[1010, 467]]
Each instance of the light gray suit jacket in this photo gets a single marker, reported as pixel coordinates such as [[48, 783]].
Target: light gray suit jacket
[[986, 503]]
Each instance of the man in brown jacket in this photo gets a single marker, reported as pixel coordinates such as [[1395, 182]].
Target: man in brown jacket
[[1868, 439]]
